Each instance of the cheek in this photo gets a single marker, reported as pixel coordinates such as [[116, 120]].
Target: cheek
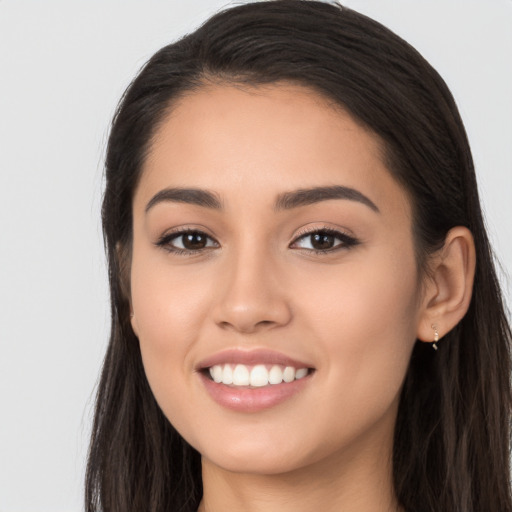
[[363, 322], [167, 304], [167, 323], [365, 317], [168, 313], [374, 293]]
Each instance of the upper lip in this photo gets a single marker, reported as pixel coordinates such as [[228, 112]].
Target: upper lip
[[250, 357]]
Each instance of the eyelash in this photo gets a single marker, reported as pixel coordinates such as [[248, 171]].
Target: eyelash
[[347, 241]]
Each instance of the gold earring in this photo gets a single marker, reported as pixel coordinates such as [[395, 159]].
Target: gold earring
[[436, 336]]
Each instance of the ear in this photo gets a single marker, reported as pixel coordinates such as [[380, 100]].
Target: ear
[[449, 286], [133, 321], [123, 256]]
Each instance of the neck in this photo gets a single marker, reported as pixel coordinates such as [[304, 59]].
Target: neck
[[358, 483]]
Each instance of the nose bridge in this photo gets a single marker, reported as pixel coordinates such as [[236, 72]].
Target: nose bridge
[[252, 294]]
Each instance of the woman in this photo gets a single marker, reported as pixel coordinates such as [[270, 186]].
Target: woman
[[305, 313]]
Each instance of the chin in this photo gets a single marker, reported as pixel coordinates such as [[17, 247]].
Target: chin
[[255, 464], [261, 454]]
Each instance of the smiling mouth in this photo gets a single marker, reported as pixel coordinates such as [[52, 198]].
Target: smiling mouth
[[255, 376]]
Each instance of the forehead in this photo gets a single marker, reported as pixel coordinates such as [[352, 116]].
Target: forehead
[[264, 140]]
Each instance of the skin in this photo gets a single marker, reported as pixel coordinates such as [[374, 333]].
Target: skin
[[353, 313]]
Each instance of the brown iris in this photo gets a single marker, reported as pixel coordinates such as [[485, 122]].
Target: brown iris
[[322, 241], [194, 240]]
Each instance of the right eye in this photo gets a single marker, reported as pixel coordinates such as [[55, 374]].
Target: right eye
[[187, 242]]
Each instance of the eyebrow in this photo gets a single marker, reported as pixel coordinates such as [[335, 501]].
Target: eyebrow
[[194, 196], [284, 201], [307, 196]]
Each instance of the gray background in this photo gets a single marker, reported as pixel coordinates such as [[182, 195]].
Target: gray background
[[63, 67]]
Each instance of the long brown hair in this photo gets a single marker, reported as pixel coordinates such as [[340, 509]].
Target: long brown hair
[[451, 446]]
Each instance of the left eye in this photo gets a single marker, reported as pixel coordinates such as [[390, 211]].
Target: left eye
[[324, 240], [187, 241]]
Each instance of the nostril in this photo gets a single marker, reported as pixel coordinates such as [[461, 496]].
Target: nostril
[[247, 327]]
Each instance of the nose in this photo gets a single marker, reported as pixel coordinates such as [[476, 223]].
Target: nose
[[251, 295]]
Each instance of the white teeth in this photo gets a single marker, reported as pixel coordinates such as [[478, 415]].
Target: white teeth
[[217, 373], [255, 376], [259, 376], [241, 375], [227, 374], [275, 376], [301, 373], [289, 374]]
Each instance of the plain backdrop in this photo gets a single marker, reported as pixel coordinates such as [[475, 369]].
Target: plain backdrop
[[63, 67]]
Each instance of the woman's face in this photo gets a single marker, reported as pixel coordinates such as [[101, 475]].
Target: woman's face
[[273, 250]]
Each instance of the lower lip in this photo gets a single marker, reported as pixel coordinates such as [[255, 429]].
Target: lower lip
[[253, 399]]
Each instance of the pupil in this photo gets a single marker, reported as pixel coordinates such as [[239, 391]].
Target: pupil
[[323, 241], [194, 241]]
